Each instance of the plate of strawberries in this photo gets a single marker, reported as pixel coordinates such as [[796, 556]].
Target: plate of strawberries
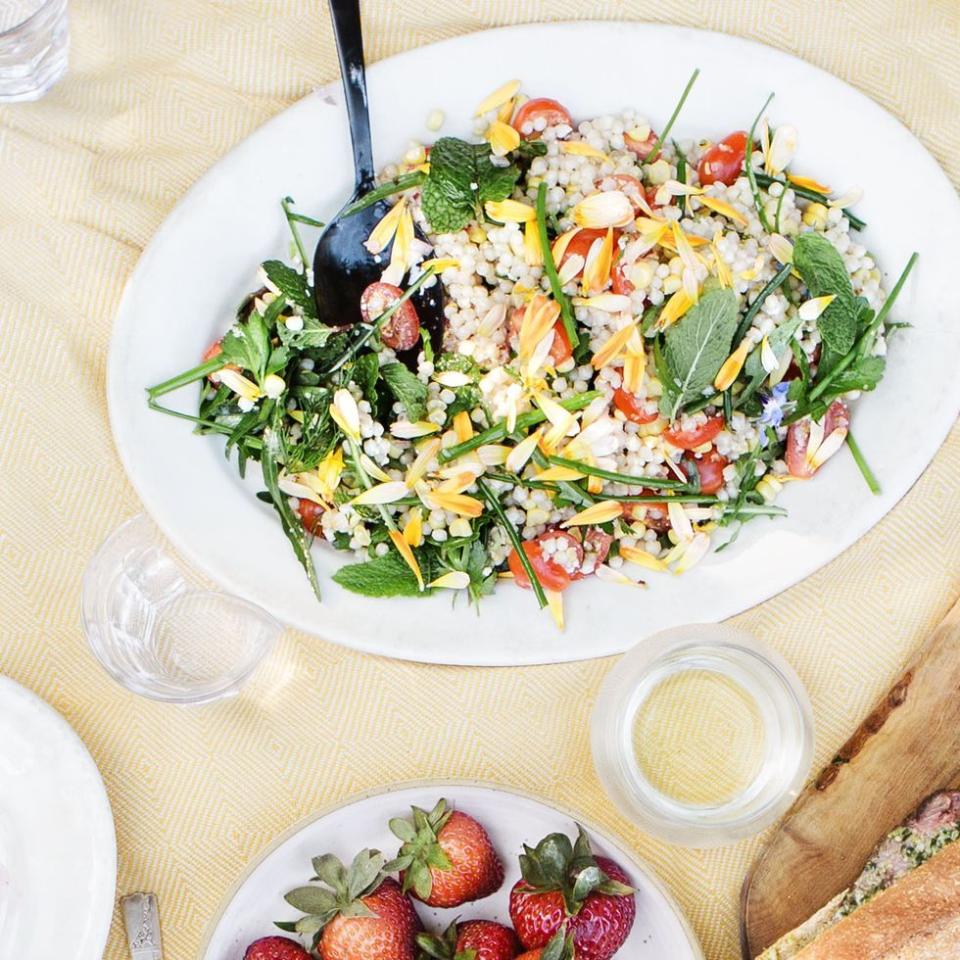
[[448, 871]]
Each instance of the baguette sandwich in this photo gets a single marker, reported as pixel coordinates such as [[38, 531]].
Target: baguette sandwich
[[905, 905]]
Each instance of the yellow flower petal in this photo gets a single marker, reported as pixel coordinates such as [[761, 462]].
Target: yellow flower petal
[[518, 456], [499, 97], [768, 359], [679, 521], [539, 318], [239, 384], [812, 309], [609, 208], [502, 138], [732, 366], [809, 183], [532, 251], [509, 211], [404, 430], [695, 551], [559, 473], [454, 580], [781, 248], [608, 302], [596, 269], [403, 548], [613, 347], [413, 530], [609, 575], [674, 309], [384, 231], [439, 264], [458, 483], [494, 454], [562, 242], [580, 148], [594, 485], [723, 208], [400, 259], [596, 513], [418, 469], [382, 493], [642, 559], [825, 450], [555, 606], [373, 469], [458, 503], [782, 148], [634, 367], [345, 413], [462, 426]]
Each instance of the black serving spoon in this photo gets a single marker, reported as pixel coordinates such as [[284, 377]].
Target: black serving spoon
[[342, 266]]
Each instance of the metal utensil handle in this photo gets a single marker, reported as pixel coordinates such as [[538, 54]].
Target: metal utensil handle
[[349, 34]]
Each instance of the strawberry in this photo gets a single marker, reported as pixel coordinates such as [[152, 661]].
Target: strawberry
[[275, 948], [446, 857], [560, 947], [472, 940], [358, 913], [565, 885]]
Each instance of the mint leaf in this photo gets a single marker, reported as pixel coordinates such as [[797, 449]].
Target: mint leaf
[[386, 576], [779, 340], [247, 345], [462, 178], [314, 334], [292, 286], [864, 374], [695, 348], [824, 273], [410, 391], [365, 372]]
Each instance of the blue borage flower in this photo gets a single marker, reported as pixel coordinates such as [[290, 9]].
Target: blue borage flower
[[772, 409]]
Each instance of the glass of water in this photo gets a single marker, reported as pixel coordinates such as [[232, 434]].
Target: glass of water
[[33, 47], [161, 631]]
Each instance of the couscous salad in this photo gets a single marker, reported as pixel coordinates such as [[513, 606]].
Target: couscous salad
[[645, 340]]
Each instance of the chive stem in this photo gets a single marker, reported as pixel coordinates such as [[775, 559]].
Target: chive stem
[[187, 377], [654, 483], [764, 179], [550, 268], [401, 183], [292, 220], [868, 475], [751, 174], [494, 503], [659, 142]]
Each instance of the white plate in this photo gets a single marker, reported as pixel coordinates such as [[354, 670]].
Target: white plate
[[510, 818], [204, 258], [58, 853]]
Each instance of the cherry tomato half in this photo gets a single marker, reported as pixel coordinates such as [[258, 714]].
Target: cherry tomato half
[[691, 439], [620, 282], [551, 575], [642, 148], [551, 112], [310, 516], [631, 186], [632, 407], [402, 330], [798, 438], [596, 547], [560, 350], [710, 467], [723, 162], [654, 516]]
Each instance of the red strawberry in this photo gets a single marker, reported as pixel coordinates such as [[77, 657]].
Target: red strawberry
[[560, 947], [446, 858], [565, 885], [472, 940], [275, 948], [359, 913]]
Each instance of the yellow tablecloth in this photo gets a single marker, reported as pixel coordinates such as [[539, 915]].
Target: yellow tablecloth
[[155, 94]]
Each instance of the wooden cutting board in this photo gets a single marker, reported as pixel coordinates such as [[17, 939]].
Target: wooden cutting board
[[908, 747]]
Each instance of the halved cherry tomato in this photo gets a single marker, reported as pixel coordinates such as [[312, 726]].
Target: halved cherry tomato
[[654, 516], [691, 439], [642, 148], [596, 547], [581, 242], [631, 186], [794, 372], [798, 438], [620, 282], [710, 467], [402, 330], [632, 407], [551, 575], [560, 350], [723, 162], [540, 108], [311, 514]]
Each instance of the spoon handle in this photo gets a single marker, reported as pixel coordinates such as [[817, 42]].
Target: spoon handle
[[349, 34]]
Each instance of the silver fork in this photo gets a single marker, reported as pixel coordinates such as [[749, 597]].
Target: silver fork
[[141, 917]]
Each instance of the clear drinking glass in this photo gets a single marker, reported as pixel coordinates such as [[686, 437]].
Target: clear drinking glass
[[161, 631], [33, 47], [783, 716]]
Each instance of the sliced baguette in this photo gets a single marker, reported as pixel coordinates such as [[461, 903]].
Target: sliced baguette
[[918, 918], [790, 944]]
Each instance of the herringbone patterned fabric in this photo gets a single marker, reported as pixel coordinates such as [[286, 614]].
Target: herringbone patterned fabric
[[156, 93]]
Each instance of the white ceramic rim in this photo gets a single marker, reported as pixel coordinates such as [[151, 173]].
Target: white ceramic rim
[[448, 784], [765, 561]]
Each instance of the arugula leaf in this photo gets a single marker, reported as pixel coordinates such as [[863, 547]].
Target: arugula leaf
[[863, 374], [462, 178], [823, 271], [405, 386], [292, 286], [386, 576], [695, 348]]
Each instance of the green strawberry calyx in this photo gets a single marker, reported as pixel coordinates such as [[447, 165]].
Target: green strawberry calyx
[[570, 868], [335, 890], [443, 946], [420, 850], [559, 947]]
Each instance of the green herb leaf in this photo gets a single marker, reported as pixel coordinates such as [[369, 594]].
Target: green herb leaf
[[462, 178], [405, 386], [248, 345], [824, 273], [695, 348], [292, 285], [365, 372], [863, 374], [386, 576], [313, 335]]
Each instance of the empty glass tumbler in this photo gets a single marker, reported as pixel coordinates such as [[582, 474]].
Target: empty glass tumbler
[[161, 631], [33, 47]]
